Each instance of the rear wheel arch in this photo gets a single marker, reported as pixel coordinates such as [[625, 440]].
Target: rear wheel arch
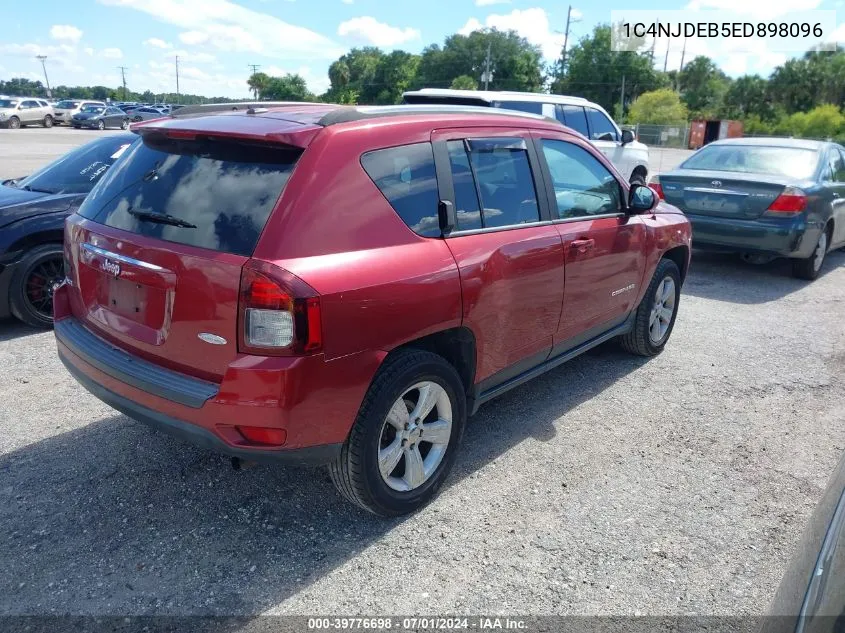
[[639, 175], [456, 345]]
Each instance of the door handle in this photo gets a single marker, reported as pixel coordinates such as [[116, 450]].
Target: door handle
[[582, 246]]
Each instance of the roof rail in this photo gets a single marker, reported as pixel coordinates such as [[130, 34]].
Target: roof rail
[[211, 108], [358, 113]]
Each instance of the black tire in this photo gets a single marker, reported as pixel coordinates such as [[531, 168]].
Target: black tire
[[48, 121], [101, 125], [124, 125], [47, 263], [638, 178], [810, 267], [638, 340], [14, 123], [356, 472]]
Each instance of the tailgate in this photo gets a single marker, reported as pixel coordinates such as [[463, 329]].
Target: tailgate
[[157, 248]]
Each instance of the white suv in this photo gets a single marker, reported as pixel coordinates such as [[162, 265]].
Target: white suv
[[66, 108], [628, 155], [16, 112]]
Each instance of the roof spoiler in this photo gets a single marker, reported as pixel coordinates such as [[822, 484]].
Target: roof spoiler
[[211, 108]]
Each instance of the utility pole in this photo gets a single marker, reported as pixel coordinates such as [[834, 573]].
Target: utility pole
[[177, 78], [622, 99], [666, 59], [683, 52], [255, 68], [123, 77], [43, 58], [565, 40], [486, 76]]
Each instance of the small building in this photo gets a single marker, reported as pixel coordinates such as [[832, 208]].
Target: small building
[[703, 132]]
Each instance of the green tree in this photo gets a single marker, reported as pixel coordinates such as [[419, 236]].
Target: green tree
[[258, 83], [703, 87], [464, 82], [596, 72], [355, 73], [290, 87], [661, 107], [515, 63], [747, 96], [394, 74]]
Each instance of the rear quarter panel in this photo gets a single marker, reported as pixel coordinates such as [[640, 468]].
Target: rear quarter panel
[[380, 284]]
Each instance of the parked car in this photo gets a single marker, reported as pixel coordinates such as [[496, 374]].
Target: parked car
[[765, 198], [300, 284], [65, 109], [146, 113], [17, 112], [811, 596], [32, 216], [100, 117], [628, 155]]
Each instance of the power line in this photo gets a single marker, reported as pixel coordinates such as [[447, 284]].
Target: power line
[[123, 70], [43, 58]]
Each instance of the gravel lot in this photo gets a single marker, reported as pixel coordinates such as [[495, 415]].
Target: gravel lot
[[612, 485]]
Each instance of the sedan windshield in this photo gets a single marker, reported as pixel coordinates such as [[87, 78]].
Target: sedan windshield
[[8, 103], [791, 162], [79, 170], [67, 105]]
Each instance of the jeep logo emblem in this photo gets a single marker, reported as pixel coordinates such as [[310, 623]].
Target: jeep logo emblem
[[111, 267]]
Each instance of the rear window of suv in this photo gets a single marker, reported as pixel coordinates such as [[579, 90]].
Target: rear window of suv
[[211, 193]]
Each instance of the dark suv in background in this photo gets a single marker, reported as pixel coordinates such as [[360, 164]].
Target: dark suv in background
[[345, 285]]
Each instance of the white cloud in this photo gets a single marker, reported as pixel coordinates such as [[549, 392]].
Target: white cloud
[[88, 50], [487, 3], [370, 30], [838, 35], [154, 42], [112, 53], [575, 14], [65, 32], [347, 1], [198, 58], [532, 24], [761, 8], [193, 37], [231, 27]]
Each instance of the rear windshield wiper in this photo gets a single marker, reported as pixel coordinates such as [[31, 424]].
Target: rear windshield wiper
[[161, 218]]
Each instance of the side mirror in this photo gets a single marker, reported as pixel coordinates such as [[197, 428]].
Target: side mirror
[[627, 137], [641, 199]]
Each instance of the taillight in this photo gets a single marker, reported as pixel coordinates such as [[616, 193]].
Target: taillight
[[792, 200], [657, 188], [279, 313]]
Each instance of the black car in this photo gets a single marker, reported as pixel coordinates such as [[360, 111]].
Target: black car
[[32, 216], [811, 597], [100, 117]]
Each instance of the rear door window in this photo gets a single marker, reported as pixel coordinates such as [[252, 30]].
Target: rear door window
[[211, 193], [405, 175], [601, 128], [574, 117], [504, 181]]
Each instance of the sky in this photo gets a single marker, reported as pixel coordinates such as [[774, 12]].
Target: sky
[[217, 40]]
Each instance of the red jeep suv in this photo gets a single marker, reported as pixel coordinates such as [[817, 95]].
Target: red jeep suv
[[345, 285]]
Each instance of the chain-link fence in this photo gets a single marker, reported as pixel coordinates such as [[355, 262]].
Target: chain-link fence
[[662, 135]]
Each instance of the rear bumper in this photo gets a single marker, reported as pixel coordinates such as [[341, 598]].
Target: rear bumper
[[788, 237], [197, 435], [313, 400]]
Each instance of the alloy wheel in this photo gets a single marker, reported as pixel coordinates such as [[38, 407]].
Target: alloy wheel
[[415, 436], [41, 283], [662, 311], [821, 250]]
